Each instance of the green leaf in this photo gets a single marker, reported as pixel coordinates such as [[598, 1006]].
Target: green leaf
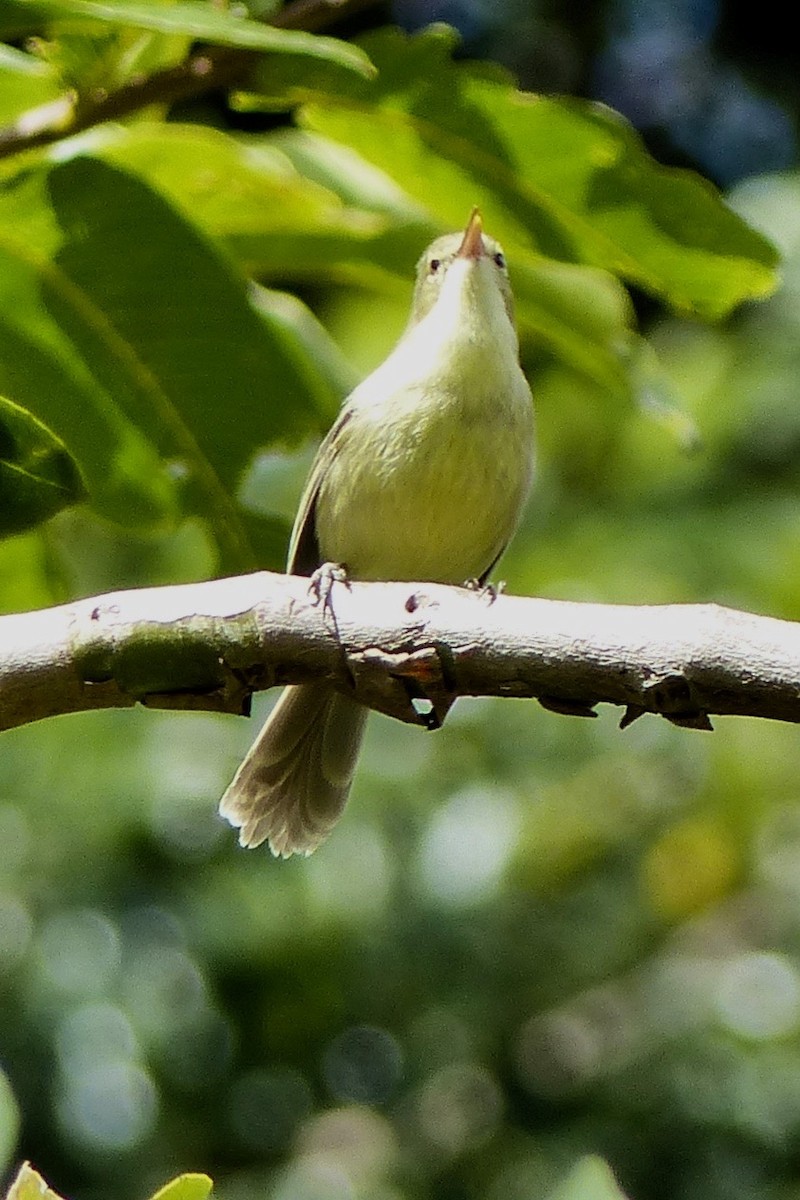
[[167, 333], [210, 374], [196, 20], [327, 374], [567, 178], [27, 83], [582, 315], [185, 1187], [351, 177], [590, 1179], [38, 476], [281, 82], [29, 1185], [247, 191], [46, 372]]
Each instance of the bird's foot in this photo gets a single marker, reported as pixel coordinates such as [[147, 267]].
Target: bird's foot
[[486, 591], [320, 586]]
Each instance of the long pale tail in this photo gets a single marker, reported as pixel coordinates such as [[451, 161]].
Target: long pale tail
[[294, 782]]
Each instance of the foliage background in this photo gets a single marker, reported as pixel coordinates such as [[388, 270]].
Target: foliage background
[[531, 937]]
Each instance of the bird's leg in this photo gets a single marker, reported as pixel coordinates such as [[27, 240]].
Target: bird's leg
[[320, 588], [486, 591], [322, 580]]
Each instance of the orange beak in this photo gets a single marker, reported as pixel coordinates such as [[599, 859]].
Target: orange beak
[[472, 246]]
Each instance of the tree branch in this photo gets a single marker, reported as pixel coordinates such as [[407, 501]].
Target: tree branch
[[203, 71], [407, 649]]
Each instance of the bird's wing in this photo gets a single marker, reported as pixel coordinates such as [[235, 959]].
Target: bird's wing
[[304, 553]]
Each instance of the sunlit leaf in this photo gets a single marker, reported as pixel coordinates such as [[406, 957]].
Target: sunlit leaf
[[29, 1185], [197, 348], [248, 192], [27, 82], [206, 22], [29, 577], [185, 1187], [38, 476]]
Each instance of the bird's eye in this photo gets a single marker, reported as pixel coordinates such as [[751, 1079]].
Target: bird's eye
[[434, 264], [500, 259]]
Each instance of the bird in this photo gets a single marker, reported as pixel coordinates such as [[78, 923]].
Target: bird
[[422, 477]]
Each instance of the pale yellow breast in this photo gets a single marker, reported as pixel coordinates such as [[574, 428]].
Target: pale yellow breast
[[429, 483]]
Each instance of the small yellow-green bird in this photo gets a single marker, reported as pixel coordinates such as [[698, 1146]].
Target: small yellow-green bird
[[423, 476]]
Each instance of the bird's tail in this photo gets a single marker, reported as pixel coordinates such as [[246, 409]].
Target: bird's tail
[[294, 782]]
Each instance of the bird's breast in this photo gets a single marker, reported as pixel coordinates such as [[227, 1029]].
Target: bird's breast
[[428, 482]]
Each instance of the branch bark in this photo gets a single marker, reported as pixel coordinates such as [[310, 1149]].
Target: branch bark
[[407, 649]]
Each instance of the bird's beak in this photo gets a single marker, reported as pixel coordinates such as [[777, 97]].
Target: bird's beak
[[472, 246]]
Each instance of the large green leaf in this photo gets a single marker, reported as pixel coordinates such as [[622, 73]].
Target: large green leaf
[[569, 179], [47, 373], [211, 375], [222, 27], [160, 327], [246, 191], [38, 476]]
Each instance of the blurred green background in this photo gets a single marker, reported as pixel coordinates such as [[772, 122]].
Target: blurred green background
[[531, 937]]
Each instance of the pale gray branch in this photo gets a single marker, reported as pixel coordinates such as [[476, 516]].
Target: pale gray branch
[[406, 649]]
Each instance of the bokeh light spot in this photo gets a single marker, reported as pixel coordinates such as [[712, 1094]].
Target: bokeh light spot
[[163, 990], [459, 1107], [314, 1179], [79, 951], [188, 771], [354, 883], [692, 864], [109, 1106], [558, 1052], [759, 996], [467, 845], [353, 1145], [94, 1033], [778, 846]]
